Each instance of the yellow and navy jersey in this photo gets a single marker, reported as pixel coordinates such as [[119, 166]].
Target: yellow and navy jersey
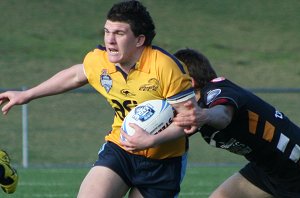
[[157, 75], [258, 131]]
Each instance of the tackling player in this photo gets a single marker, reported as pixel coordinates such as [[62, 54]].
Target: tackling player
[[234, 119]]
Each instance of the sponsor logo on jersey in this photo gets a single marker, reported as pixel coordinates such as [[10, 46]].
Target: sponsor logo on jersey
[[151, 86], [278, 114], [105, 80], [211, 95], [236, 147], [216, 139], [126, 92]]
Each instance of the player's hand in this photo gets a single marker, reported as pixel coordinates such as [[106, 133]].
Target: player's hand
[[10, 98], [140, 140], [190, 119]]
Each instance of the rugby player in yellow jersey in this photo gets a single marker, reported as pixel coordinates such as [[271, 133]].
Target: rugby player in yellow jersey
[[128, 70]]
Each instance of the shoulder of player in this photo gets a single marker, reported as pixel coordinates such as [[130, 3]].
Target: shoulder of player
[[220, 91], [98, 56], [163, 57], [99, 51], [222, 83]]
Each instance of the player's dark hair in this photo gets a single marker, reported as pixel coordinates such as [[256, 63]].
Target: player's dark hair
[[137, 16], [198, 65]]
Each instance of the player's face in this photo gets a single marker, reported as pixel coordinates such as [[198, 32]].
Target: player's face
[[120, 43]]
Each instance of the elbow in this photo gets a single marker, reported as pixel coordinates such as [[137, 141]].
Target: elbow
[[225, 117], [226, 121]]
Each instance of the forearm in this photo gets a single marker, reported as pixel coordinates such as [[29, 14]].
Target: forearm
[[63, 81], [218, 117], [172, 132]]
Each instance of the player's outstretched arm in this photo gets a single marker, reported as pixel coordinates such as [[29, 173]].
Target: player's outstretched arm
[[63, 81]]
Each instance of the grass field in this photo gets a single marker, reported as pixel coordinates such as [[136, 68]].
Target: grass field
[[254, 43], [64, 182]]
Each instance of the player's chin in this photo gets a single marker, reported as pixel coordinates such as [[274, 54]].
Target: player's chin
[[114, 58]]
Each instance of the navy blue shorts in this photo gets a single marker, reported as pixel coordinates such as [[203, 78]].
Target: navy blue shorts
[[153, 178], [284, 183]]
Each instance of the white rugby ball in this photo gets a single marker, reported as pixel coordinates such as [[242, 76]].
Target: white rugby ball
[[153, 116]]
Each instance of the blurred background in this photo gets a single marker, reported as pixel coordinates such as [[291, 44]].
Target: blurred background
[[254, 43]]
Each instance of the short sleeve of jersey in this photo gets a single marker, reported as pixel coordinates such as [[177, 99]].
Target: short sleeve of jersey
[[222, 92], [175, 80]]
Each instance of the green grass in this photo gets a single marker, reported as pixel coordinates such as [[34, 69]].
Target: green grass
[[254, 43], [43, 183], [65, 182]]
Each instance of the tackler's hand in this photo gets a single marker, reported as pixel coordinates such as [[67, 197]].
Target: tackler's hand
[[190, 119]]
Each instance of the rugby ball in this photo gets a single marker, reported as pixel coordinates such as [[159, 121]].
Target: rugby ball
[[153, 116]]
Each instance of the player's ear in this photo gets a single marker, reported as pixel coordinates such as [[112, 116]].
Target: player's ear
[[140, 40], [193, 82]]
